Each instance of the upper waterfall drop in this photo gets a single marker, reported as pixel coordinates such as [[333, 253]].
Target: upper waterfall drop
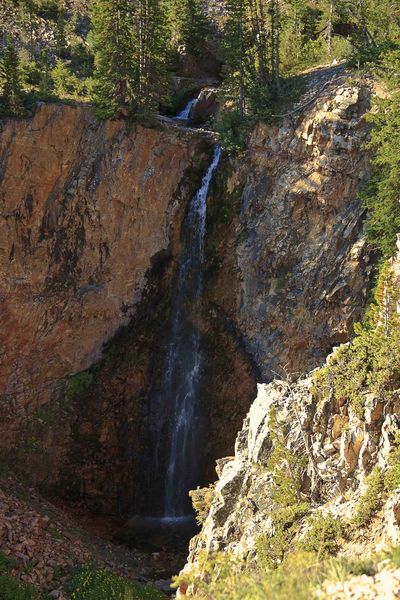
[[184, 114], [178, 463]]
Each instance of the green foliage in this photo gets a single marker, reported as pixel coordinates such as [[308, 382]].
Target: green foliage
[[392, 475], [11, 95], [12, 589], [201, 500], [7, 562], [394, 556], [131, 54], [233, 131], [370, 500], [189, 25], [79, 383], [341, 568], [370, 363], [271, 549], [66, 84], [90, 583], [380, 195], [285, 466], [217, 577], [288, 505], [299, 577], [323, 535]]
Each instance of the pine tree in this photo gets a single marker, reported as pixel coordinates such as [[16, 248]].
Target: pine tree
[[131, 56], [189, 25], [10, 84], [274, 11], [235, 46], [113, 50], [252, 53], [151, 53]]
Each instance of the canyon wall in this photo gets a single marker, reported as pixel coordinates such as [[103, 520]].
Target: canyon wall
[[293, 272], [85, 210], [315, 468], [91, 216]]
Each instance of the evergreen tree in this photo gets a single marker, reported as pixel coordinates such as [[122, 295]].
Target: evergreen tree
[[235, 46], [189, 25], [131, 56], [114, 74], [381, 195], [252, 53], [10, 84], [151, 53]]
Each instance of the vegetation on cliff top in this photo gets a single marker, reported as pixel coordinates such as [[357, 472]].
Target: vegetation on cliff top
[[122, 54]]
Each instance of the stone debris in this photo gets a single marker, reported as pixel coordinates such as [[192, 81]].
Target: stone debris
[[46, 545]]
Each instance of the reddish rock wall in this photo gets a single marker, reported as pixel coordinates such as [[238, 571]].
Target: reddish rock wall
[[84, 207]]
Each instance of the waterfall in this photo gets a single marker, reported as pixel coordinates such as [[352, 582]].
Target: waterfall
[[185, 113], [179, 395]]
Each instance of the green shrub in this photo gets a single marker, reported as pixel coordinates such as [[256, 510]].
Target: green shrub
[[370, 363], [341, 568], [288, 505], [233, 131], [217, 577], [90, 583], [79, 383], [370, 500], [392, 475], [201, 500], [66, 84], [323, 535], [285, 466], [12, 589], [7, 562], [271, 549]]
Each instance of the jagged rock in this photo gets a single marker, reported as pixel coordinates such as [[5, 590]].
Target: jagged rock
[[205, 107], [297, 261], [382, 586], [334, 446]]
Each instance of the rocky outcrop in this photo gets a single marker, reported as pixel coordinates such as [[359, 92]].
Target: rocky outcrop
[[294, 272], [338, 449], [205, 107], [91, 217], [341, 456], [86, 210]]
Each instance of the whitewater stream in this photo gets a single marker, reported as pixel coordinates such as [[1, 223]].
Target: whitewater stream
[[183, 361]]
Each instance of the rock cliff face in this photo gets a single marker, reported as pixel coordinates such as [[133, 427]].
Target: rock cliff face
[[339, 450], [293, 275], [91, 217], [85, 209]]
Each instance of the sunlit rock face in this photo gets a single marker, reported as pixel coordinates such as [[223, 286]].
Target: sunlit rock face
[[295, 269], [85, 209]]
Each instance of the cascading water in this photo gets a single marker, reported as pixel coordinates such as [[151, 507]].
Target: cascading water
[[184, 115], [178, 464]]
